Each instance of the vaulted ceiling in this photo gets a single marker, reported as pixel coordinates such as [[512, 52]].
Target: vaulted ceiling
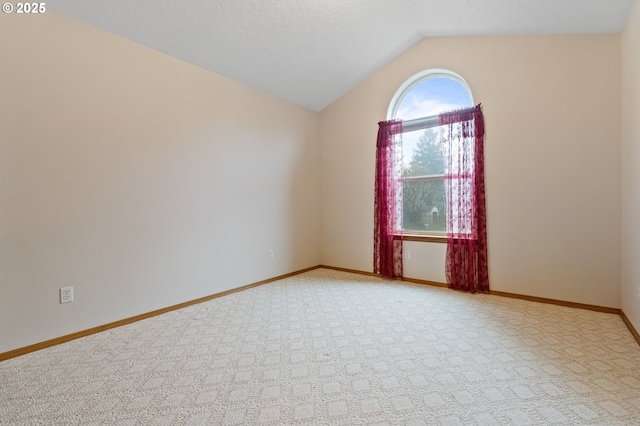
[[311, 52]]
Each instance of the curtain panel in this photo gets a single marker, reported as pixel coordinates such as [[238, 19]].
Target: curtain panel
[[463, 150], [387, 247]]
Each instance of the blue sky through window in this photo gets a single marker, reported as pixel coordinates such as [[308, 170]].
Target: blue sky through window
[[433, 96], [430, 97]]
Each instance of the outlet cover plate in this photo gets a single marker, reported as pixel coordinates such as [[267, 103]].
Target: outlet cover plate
[[66, 294]]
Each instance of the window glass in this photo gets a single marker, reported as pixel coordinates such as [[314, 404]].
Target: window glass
[[433, 95], [423, 206], [426, 94]]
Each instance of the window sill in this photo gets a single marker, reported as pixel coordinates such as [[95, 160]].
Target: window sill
[[423, 238]]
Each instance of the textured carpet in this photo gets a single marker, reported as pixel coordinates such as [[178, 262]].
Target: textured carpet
[[333, 348]]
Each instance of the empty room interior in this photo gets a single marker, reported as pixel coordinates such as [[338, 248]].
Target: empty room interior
[[201, 180]]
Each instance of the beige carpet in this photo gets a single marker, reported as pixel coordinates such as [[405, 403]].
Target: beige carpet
[[330, 348]]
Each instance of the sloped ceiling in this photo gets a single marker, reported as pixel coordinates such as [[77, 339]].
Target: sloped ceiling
[[311, 52]]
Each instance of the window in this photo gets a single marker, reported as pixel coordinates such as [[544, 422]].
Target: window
[[418, 103]]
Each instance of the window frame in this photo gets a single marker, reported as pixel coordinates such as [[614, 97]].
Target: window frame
[[422, 123]]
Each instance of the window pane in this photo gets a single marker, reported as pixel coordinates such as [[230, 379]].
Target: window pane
[[423, 205], [422, 152], [433, 96]]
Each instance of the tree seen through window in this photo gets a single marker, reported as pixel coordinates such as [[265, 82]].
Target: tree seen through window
[[424, 199]]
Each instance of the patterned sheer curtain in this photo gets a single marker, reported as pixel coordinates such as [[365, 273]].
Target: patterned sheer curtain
[[463, 150], [387, 247]]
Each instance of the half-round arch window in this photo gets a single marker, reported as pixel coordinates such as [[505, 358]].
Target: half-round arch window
[[429, 93], [418, 102]]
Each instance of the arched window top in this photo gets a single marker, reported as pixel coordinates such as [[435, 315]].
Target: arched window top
[[429, 93]]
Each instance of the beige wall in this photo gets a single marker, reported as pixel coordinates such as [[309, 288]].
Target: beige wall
[[138, 179], [552, 108], [631, 168], [144, 181]]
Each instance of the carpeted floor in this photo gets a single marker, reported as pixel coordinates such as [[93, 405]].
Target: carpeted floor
[[331, 348]]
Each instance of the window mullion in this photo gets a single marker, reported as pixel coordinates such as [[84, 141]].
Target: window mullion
[[421, 123], [422, 178]]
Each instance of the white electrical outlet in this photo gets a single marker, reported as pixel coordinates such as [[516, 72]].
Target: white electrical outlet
[[270, 254], [407, 254], [66, 294]]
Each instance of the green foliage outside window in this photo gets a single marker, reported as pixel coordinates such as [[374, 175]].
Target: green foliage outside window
[[424, 200]]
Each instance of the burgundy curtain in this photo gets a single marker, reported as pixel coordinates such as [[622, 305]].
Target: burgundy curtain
[[463, 149], [387, 246]]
